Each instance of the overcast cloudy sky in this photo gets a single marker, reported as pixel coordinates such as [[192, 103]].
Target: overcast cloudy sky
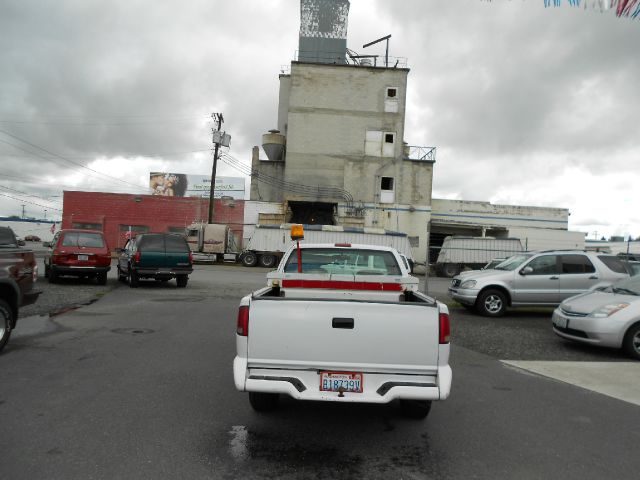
[[526, 105]]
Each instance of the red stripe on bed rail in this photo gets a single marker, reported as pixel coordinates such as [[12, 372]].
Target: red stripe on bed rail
[[339, 285]]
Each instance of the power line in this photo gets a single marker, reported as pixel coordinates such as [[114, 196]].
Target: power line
[[27, 201], [120, 154], [60, 157], [28, 194]]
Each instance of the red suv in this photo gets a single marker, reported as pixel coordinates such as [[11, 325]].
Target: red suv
[[78, 253]]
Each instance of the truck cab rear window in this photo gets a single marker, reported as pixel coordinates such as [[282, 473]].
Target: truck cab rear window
[[344, 261]]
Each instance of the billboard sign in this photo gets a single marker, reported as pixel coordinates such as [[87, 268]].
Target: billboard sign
[[182, 185]]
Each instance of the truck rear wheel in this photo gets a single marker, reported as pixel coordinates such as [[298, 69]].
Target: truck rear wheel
[[415, 408], [263, 402], [249, 259], [182, 280], [6, 318], [267, 260], [450, 269]]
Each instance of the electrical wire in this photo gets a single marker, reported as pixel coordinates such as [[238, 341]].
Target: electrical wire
[[59, 156], [32, 203]]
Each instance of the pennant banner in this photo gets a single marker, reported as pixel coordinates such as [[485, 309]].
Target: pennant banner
[[622, 8]]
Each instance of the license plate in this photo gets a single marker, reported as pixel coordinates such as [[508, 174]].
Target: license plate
[[561, 321], [83, 258], [341, 382]]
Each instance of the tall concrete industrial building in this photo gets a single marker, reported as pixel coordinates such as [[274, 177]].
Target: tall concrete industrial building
[[338, 155]]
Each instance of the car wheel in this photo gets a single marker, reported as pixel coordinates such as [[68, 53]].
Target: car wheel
[[121, 277], [492, 303], [267, 261], [53, 276], [6, 318], [182, 280], [263, 402], [101, 278], [249, 259], [134, 279], [415, 408], [631, 342]]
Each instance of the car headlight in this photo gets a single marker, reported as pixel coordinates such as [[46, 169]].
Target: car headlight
[[608, 310], [468, 284]]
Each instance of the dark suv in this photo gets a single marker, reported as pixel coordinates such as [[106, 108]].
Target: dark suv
[[161, 256], [78, 253]]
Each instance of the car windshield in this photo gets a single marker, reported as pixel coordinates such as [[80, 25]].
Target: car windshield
[[512, 263], [82, 239], [628, 286]]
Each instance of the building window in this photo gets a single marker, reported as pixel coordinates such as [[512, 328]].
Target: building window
[[179, 230], [134, 228], [392, 92], [389, 137], [387, 194], [379, 144], [87, 226]]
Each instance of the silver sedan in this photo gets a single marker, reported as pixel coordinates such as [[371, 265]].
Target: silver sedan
[[609, 317]]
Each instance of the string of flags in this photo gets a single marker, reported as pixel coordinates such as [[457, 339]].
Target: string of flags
[[622, 8]]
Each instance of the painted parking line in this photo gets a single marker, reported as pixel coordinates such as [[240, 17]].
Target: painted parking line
[[615, 379]]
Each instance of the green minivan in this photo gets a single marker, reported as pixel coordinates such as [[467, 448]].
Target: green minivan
[[160, 256]]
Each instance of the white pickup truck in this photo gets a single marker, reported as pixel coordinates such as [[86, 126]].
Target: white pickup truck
[[346, 324]]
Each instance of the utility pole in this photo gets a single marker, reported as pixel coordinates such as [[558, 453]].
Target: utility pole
[[216, 141], [425, 285]]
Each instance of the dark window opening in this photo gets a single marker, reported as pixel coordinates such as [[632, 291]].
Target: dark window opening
[[391, 92], [179, 230], [313, 213], [386, 183], [389, 137], [87, 226]]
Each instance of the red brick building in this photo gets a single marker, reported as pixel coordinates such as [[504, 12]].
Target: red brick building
[[117, 213]]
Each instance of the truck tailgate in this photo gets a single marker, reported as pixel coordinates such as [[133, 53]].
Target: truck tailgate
[[343, 335]]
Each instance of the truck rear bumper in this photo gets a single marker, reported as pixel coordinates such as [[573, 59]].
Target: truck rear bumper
[[377, 387]]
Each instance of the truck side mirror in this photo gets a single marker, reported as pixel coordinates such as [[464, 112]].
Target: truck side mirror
[[46, 244], [526, 271]]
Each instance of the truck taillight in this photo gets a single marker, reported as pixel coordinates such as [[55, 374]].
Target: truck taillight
[[243, 322], [445, 328], [137, 257], [190, 256]]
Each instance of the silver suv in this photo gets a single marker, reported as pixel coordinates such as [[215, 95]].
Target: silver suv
[[535, 279]]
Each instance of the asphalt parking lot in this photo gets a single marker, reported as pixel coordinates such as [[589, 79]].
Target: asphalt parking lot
[[523, 334]]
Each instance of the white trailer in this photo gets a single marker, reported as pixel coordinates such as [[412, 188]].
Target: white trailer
[[269, 242], [459, 253]]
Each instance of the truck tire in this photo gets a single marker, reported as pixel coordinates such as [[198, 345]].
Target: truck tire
[[415, 408], [492, 303], [182, 280], [6, 320], [53, 276], [267, 260], [450, 269], [101, 278], [249, 259], [263, 402], [134, 279]]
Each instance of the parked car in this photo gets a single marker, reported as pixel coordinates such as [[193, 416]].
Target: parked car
[[77, 253], [32, 238], [535, 279], [161, 256], [18, 274], [609, 317], [634, 268], [493, 263]]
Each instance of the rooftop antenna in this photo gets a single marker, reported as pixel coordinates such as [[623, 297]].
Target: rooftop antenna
[[386, 56]]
